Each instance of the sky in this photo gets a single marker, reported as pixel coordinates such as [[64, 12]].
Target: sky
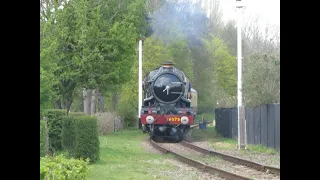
[[268, 11]]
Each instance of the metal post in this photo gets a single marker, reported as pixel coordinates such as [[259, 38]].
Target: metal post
[[140, 80], [241, 112]]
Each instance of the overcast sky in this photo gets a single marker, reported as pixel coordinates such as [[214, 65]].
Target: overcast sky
[[268, 11]]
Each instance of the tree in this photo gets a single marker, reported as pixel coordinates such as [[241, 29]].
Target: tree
[[215, 23], [229, 35], [95, 44], [181, 56], [262, 79], [154, 5], [225, 70], [261, 72], [48, 46], [127, 25]]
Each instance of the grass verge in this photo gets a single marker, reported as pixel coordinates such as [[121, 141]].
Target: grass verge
[[220, 143], [123, 157]]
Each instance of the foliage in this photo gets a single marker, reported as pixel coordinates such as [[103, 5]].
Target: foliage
[[128, 103], [80, 136], [91, 43], [262, 79], [68, 134], [87, 138], [228, 34], [48, 46], [203, 79], [181, 56], [128, 115], [78, 101], [42, 138], [55, 128], [261, 72], [228, 102], [61, 168], [225, 68], [45, 90], [154, 54], [214, 73]]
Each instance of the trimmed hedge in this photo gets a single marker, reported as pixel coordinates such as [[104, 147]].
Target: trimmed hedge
[[80, 136], [55, 128], [42, 138], [68, 134], [61, 168], [86, 143]]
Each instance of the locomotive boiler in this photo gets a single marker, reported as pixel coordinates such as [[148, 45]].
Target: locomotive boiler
[[167, 109]]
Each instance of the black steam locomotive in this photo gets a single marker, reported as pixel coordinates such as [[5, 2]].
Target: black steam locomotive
[[166, 110]]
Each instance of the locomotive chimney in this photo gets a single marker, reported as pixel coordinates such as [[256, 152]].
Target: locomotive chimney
[[167, 64]]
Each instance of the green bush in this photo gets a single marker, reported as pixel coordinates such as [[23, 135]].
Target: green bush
[[87, 138], [55, 128], [42, 138], [59, 167], [68, 134], [80, 136], [128, 115]]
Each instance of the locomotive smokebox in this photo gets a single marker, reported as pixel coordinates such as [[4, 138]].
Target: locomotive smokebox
[[168, 87]]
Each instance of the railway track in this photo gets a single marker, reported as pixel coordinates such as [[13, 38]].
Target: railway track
[[200, 165], [228, 162], [233, 159]]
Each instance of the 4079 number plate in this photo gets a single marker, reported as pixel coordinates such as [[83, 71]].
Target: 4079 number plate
[[174, 119]]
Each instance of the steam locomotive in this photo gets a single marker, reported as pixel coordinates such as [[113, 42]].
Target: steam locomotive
[[167, 109]]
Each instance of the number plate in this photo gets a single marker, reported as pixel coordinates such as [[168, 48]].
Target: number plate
[[174, 119]]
